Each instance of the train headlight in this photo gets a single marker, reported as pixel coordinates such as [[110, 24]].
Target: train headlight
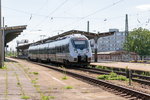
[[75, 50]]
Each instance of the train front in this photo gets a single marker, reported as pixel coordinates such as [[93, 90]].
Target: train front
[[80, 50]]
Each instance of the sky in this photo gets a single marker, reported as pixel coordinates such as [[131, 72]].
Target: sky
[[46, 18]]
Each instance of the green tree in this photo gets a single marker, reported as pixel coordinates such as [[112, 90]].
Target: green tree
[[138, 41]]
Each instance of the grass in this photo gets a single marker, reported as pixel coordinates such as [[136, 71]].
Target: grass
[[3, 67], [18, 83], [36, 85], [146, 74], [36, 78], [68, 87], [47, 97], [65, 78], [35, 73], [102, 67], [25, 97], [90, 67], [112, 76], [34, 81]]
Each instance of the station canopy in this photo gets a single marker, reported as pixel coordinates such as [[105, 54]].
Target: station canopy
[[12, 32], [89, 35]]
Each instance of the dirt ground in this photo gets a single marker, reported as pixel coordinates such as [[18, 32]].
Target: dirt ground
[[22, 79]]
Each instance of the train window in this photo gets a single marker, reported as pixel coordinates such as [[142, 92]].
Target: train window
[[56, 49], [67, 48], [59, 49], [63, 48], [80, 44]]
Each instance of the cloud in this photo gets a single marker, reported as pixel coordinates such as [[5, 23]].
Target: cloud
[[143, 7]]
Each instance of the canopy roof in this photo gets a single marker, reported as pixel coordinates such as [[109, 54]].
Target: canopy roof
[[12, 32], [89, 35]]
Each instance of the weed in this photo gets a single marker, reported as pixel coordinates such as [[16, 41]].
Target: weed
[[36, 78], [90, 67], [68, 87], [98, 67], [36, 85], [113, 76], [34, 81], [145, 73], [65, 78], [51, 97], [25, 97], [38, 89], [102, 67], [47, 97], [35, 73], [18, 83], [3, 67]]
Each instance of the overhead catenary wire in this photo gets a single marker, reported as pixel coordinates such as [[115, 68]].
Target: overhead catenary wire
[[37, 12], [24, 12], [99, 10], [82, 17], [51, 17], [57, 8], [61, 17]]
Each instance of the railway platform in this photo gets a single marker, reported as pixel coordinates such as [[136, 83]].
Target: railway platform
[[22, 80], [124, 65]]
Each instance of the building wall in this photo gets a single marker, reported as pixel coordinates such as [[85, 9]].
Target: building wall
[[111, 43], [117, 56]]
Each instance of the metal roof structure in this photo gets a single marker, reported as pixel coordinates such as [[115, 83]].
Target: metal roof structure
[[12, 32], [89, 35], [25, 46]]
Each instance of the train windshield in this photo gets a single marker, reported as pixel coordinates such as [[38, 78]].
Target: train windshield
[[80, 43]]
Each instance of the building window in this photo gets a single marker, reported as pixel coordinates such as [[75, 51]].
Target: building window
[[118, 41]]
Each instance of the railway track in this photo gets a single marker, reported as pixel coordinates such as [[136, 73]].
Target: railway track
[[119, 90], [122, 71], [135, 77]]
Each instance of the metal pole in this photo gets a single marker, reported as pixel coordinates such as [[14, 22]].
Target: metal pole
[[88, 26], [95, 55], [3, 37], [17, 49], [126, 26], [1, 40], [130, 77]]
